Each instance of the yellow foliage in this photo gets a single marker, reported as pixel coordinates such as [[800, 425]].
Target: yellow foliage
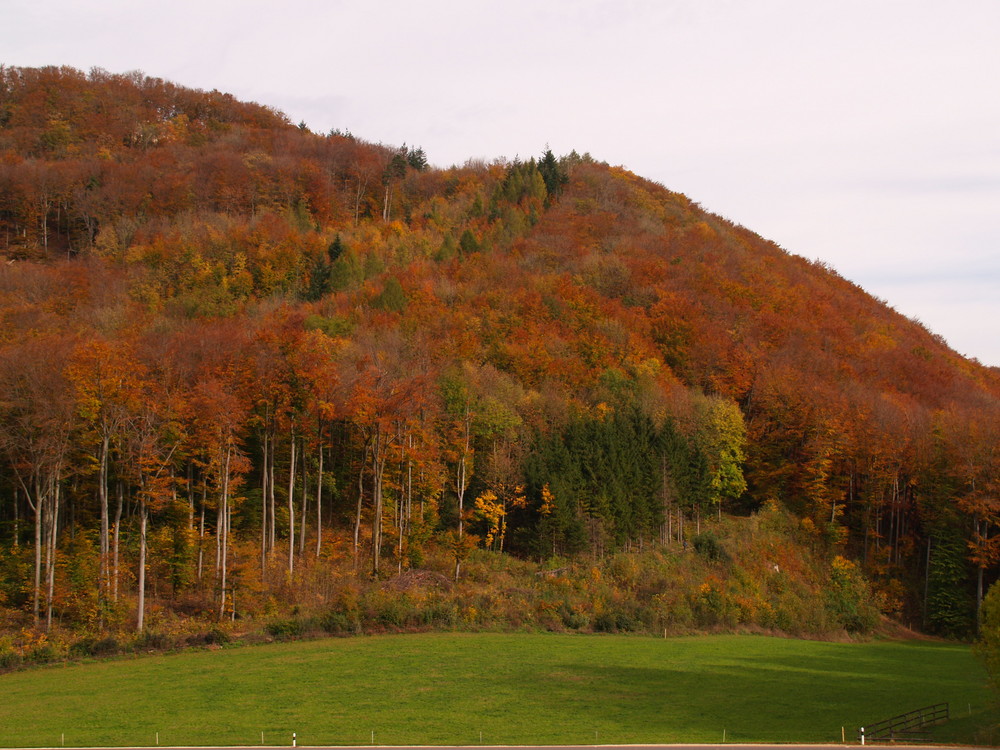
[[842, 566], [548, 502]]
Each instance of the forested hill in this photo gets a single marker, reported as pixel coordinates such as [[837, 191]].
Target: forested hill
[[231, 347]]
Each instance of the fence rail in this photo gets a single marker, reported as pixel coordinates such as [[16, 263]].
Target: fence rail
[[913, 726]]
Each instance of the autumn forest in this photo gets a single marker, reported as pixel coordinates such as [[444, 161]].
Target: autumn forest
[[252, 375]]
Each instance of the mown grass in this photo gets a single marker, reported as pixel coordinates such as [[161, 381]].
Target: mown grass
[[489, 688]]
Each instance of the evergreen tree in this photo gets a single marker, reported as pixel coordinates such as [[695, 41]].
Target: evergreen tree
[[553, 174], [417, 159]]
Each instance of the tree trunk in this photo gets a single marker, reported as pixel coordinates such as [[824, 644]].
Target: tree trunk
[[117, 536], [38, 507], [50, 554], [224, 531], [305, 502], [319, 496], [269, 467], [263, 509], [291, 506], [102, 492], [143, 512], [378, 468], [201, 532], [361, 494]]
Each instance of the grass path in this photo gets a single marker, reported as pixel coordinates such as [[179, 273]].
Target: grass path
[[513, 689]]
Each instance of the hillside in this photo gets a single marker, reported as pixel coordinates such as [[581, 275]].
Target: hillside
[[236, 355]]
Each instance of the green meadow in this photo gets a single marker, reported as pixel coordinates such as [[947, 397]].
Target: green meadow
[[455, 689]]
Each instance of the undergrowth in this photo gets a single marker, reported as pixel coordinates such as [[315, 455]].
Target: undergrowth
[[758, 574]]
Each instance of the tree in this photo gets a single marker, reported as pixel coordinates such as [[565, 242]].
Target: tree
[[36, 419], [553, 174], [104, 377], [987, 647], [720, 436]]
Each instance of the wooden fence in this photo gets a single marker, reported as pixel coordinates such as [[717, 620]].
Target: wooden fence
[[913, 726]]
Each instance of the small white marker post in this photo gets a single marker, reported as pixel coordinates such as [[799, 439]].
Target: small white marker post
[[157, 739], [862, 735], [723, 735], [295, 740]]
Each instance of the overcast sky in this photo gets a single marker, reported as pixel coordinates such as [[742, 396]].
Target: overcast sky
[[865, 133]]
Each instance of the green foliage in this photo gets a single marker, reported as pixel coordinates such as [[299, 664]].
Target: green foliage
[[319, 280], [334, 326], [850, 597], [335, 249], [721, 439], [598, 468], [708, 545], [392, 297], [987, 647], [416, 159], [346, 272], [468, 244], [286, 629], [949, 604], [448, 250], [553, 175]]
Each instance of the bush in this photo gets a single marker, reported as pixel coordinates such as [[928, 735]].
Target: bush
[[96, 647], [10, 660], [849, 598], [708, 545], [340, 622], [987, 648], [571, 618], [616, 621], [285, 629], [152, 641]]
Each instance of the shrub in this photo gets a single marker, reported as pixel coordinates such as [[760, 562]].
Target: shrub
[[153, 641], [708, 545], [572, 618], [849, 598], [10, 659], [285, 629], [96, 647], [340, 622]]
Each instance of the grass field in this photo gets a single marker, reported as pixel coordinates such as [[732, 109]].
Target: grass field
[[488, 688]]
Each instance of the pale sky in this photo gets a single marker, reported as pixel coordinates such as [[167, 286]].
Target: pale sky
[[864, 133]]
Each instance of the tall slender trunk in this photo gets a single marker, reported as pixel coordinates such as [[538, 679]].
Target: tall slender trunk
[[461, 471], [201, 532], [117, 537], [143, 515], [102, 492], [319, 495], [378, 470], [38, 506], [224, 531], [53, 531], [305, 501], [272, 532], [264, 525], [361, 495], [17, 522], [291, 505], [190, 495]]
